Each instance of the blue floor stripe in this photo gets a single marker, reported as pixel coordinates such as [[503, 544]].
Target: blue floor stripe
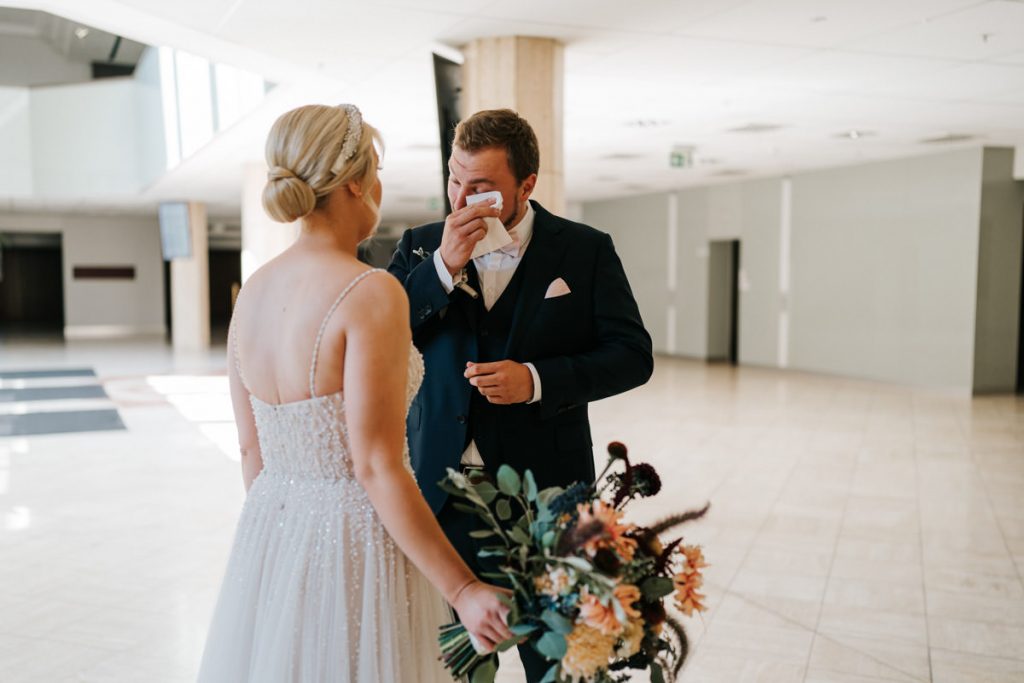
[[52, 393], [60, 423], [40, 374]]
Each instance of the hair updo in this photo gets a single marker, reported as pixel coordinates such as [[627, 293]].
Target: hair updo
[[303, 146]]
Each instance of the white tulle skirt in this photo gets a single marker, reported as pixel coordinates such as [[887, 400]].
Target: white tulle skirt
[[316, 591]]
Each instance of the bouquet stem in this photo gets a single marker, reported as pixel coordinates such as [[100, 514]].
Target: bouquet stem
[[457, 652]]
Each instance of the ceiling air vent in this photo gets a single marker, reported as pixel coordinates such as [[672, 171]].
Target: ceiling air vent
[[947, 139], [756, 128]]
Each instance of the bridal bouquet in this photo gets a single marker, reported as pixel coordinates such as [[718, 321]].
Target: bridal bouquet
[[589, 589]]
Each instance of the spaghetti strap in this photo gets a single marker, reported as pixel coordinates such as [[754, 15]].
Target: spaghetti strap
[[233, 343], [323, 325]]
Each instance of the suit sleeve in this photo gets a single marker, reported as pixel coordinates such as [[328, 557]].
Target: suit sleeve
[[621, 358], [427, 296]]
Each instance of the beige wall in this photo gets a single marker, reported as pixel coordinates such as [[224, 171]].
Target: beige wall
[[882, 263], [98, 307]]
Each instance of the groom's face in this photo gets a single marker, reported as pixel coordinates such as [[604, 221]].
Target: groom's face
[[486, 170]]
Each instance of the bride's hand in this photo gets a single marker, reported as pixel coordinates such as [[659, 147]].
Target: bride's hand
[[483, 614]]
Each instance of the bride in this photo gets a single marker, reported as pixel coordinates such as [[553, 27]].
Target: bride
[[339, 571]]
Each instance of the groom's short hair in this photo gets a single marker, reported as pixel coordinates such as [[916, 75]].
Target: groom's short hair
[[501, 128]]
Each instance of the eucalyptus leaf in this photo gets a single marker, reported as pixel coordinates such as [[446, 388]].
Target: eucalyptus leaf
[[485, 671], [557, 622], [483, 533], [551, 676], [508, 481], [507, 644], [486, 491], [657, 587], [657, 674], [578, 563], [552, 645], [548, 539], [503, 509], [530, 486], [468, 509], [519, 536], [549, 494], [523, 629]]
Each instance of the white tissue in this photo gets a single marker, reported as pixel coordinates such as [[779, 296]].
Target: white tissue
[[497, 236]]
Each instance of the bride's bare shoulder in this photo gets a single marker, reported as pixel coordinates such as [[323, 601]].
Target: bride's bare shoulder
[[381, 295]]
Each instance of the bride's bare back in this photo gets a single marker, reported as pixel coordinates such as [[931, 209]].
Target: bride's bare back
[[278, 318]]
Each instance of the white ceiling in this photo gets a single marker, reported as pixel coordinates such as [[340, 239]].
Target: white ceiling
[[38, 48], [902, 70]]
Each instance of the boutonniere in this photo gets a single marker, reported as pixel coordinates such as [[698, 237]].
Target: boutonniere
[[422, 253]]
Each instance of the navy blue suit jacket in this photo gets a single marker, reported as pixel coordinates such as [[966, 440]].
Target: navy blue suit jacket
[[587, 345]]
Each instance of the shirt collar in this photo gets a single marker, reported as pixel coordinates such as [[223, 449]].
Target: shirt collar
[[523, 230]]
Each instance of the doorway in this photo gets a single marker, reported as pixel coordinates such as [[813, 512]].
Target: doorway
[[1020, 318], [723, 301], [225, 266], [31, 285]]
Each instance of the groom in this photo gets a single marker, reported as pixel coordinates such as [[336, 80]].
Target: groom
[[518, 341]]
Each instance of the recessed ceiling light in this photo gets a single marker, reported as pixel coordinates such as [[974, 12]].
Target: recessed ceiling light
[[622, 156], [946, 139], [756, 128], [856, 134], [646, 123], [81, 32]]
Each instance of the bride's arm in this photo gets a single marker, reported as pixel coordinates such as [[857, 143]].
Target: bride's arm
[[245, 422], [377, 342]]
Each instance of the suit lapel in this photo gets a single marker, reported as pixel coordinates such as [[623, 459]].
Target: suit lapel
[[543, 256]]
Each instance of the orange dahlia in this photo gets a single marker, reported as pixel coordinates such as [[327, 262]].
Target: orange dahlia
[[614, 530], [689, 580], [598, 615]]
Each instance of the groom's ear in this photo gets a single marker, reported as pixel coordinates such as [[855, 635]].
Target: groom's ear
[[526, 187], [354, 187]]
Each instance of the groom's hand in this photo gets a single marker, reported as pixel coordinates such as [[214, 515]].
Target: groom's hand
[[462, 230], [505, 382]]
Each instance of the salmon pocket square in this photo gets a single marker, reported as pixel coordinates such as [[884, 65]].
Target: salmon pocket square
[[557, 288]]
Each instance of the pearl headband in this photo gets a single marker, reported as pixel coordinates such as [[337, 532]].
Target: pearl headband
[[354, 134]]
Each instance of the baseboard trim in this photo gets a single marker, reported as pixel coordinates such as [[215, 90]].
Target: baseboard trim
[[112, 331]]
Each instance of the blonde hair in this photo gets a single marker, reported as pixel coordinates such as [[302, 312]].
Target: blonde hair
[[303, 146]]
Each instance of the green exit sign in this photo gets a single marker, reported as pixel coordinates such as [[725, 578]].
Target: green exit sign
[[681, 157]]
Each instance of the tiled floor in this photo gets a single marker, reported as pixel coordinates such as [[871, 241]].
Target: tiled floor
[[859, 532]]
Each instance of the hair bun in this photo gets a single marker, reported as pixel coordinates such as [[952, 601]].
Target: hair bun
[[287, 197]]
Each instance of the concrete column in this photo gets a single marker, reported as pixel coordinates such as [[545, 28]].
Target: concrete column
[[524, 74], [262, 237], [190, 287]]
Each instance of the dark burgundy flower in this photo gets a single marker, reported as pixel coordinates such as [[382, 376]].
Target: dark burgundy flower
[[653, 613], [618, 450], [646, 481], [607, 561]]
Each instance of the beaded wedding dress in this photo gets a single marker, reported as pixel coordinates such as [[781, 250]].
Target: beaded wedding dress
[[316, 591]]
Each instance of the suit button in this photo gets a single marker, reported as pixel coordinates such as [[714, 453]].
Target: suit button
[[461, 419]]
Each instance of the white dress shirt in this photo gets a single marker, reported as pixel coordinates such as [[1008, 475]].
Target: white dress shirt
[[495, 271]]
